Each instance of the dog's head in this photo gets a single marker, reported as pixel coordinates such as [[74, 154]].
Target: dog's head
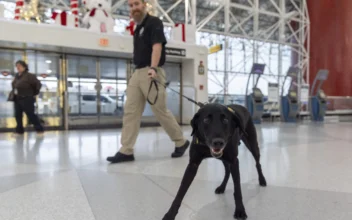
[[215, 124]]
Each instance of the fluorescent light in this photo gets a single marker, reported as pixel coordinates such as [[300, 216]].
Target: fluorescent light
[[48, 61]]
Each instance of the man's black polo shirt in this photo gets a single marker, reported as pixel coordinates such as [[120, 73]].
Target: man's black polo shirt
[[149, 32]]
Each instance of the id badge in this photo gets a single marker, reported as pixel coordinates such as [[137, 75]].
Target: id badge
[[15, 91]]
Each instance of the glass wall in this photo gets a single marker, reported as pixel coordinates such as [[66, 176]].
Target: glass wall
[[8, 59], [97, 90], [46, 66], [242, 53], [173, 76], [47, 69], [81, 83], [113, 80]]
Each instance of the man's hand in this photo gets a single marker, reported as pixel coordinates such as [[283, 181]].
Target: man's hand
[[151, 73]]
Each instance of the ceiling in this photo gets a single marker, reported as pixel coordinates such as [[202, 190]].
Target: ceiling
[[217, 23]]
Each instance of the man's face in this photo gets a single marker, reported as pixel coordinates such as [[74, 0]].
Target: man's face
[[137, 9]]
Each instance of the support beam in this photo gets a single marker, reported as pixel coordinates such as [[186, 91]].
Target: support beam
[[227, 50], [282, 21], [256, 17], [250, 38], [238, 24], [276, 6], [186, 11], [174, 6], [241, 23], [260, 11], [194, 12], [164, 13], [208, 18]]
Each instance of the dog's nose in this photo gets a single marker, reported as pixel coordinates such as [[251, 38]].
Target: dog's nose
[[99, 5], [218, 143]]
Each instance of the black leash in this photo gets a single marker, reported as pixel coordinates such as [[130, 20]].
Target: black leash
[[156, 82], [200, 104]]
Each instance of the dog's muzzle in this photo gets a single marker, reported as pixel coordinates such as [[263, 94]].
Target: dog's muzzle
[[217, 147], [216, 152]]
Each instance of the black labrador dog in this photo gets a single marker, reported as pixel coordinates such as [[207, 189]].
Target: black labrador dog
[[217, 131]]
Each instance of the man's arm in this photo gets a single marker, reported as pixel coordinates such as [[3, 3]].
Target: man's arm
[[158, 39], [156, 54]]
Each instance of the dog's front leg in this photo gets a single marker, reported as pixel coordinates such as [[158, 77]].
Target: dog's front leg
[[240, 212], [188, 177]]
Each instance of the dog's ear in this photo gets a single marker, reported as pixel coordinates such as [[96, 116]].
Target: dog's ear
[[194, 123], [238, 120]]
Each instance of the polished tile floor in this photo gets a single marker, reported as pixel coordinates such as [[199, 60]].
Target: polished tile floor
[[64, 176]]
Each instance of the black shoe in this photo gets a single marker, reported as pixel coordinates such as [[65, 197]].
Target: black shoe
[[119, 157], [179, 151]]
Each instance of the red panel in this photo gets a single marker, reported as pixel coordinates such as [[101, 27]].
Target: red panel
[[331, 44]]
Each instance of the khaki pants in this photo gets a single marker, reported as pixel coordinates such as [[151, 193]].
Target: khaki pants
[[137, 92]]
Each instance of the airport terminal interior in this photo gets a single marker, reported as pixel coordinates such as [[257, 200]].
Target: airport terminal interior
[[285, 61]]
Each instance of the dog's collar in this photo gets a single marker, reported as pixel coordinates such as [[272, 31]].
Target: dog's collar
[[197, 141], [231, 110]]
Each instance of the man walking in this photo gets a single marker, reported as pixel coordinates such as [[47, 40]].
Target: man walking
[[149, 57]]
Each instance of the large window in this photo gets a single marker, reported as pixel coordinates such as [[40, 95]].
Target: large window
[[241, 55], [47, 68], [8, 59], [82, 79], [173, 76], [83, 85], [113, 78]]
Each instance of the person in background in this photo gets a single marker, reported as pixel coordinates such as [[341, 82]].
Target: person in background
[[148, 57], [25, 87]]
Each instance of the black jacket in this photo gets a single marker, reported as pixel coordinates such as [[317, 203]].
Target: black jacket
[[26, 85]]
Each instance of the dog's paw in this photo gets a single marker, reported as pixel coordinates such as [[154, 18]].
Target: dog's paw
[[262, 181], [220, 190], [167, 216], [240, 214]]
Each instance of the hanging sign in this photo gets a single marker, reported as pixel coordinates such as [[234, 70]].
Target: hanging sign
[[201, 69], [273, 92], [175, 51], [215, 48]]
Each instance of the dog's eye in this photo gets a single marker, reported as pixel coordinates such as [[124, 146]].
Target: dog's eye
[[225, 121], [206, 120]]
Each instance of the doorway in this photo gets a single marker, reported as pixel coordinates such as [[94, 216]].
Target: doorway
[[96, 90], [45, 66]]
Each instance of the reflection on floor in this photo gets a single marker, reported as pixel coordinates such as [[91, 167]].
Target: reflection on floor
[[65, 176]]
